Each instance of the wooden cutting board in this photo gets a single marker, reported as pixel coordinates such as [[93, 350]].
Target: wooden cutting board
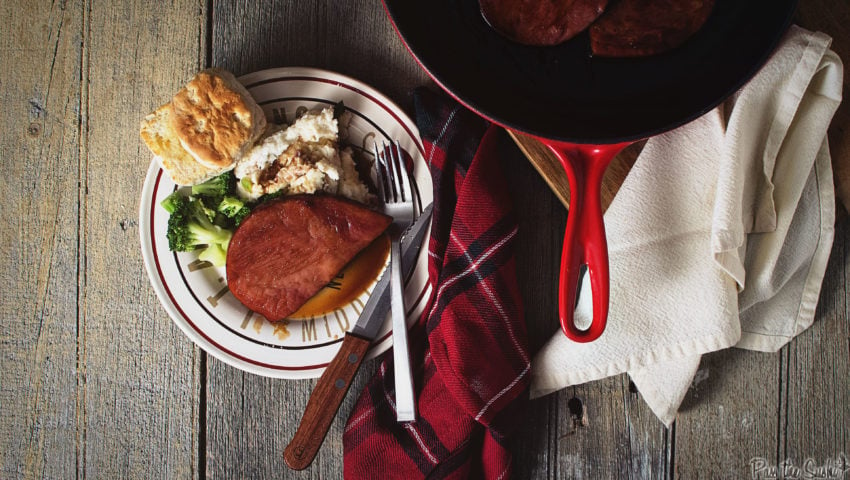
[[553, 173]]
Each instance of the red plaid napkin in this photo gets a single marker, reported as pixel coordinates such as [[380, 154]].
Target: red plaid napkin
[[470, 349]]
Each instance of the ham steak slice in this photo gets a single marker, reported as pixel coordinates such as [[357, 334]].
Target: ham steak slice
[[286, 250], [541, 22], [634, 28]]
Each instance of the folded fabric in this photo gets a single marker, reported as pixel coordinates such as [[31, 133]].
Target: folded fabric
[[470, 349], [718, 237]]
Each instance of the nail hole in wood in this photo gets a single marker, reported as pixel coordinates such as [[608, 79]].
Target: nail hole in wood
[[34, 129], [578, 414], [576, 407]]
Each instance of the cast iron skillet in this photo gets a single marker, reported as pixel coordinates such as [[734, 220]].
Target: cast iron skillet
[[585, 108]]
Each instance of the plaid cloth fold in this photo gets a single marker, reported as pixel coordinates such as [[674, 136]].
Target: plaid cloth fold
[[470, 349]]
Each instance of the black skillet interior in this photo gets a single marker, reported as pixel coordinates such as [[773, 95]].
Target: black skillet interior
[[564, 93]]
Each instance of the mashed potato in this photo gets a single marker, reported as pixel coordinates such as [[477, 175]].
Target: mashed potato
[[302, 158]]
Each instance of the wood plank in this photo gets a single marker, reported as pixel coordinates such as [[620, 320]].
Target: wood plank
[[141, 374], [541, 219], [97, 381], [729, 416], [250, 419], [354, 38], [815, 422], [39, 132], [607, 431], [650, 442]]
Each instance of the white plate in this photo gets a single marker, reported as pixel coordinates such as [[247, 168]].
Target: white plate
[[197, 299]]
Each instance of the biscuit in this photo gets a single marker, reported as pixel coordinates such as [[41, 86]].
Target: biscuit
[[158, 135], [216, 119]]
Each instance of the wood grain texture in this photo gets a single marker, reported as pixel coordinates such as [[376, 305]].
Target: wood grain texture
[[541, 219], [139, 373], [97, 382], [815, 415], [729, 416], [353, 38], [606, 432], [40, 268], [250, 420], [324, 402]]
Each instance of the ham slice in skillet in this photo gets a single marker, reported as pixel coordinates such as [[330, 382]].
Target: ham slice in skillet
[[288, 249], [634, 28], [541, 22]]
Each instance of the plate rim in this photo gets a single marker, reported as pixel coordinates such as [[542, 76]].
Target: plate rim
[[156, 277]]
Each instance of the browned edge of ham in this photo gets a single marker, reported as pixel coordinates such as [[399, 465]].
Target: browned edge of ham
[[287, 249], [634, 28], [542, 23]]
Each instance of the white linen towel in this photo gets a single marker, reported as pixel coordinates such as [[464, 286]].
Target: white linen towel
[[718, 237]]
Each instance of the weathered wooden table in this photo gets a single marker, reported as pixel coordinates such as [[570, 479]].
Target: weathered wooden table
[[97, 382]]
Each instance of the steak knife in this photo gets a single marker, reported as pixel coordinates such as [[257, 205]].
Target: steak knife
[[334, 383]]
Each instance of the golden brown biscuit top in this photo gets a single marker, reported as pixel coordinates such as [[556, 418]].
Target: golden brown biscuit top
[[212, 120]]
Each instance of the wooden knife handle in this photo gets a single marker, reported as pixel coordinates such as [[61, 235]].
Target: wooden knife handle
[[324, 403]]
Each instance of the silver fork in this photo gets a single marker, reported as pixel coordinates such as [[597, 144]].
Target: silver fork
[[397, 196]]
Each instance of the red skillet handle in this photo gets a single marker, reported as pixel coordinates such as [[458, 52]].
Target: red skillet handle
[[584, 238]]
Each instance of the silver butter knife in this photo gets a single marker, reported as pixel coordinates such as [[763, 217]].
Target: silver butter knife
[[333, 385]]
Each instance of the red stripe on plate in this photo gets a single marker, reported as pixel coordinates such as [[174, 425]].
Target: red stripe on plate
[[201, 332]]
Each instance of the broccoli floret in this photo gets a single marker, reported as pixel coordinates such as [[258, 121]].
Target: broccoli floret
[[271, 196], [189, 228], [234, 208], [240, 215], [246, 184], [173, 201], [216, 187], [215, 254]]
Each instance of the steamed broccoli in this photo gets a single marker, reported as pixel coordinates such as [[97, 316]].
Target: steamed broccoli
[[205, 218], [271, 196], [246, 184], [216, 187], [171, 202], [233, 208], [189, 228], [215, 254]]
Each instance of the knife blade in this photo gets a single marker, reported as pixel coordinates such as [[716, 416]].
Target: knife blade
[[333, 385], [378, 305]]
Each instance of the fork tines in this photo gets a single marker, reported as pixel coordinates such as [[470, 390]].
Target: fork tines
[[391, 172]]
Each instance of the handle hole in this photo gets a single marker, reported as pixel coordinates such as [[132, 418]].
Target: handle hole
[[583, 313]]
